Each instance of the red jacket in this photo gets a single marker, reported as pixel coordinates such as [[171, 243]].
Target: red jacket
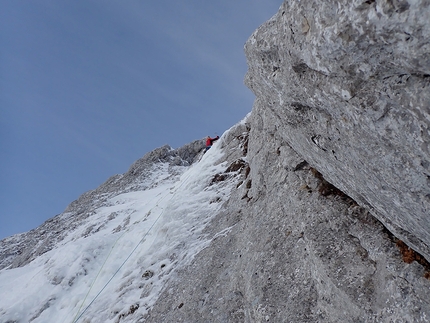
[[210, 140]]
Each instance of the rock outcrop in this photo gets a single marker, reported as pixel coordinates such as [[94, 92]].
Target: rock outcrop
[[347, 85]]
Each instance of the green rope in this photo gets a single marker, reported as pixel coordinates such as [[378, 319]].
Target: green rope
[[116, 272], [95, 279], [78, 316]]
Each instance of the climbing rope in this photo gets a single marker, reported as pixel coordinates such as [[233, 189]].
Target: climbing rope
[[78, 316], [95, 279]]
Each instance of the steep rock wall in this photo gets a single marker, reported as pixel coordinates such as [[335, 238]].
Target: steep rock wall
[[287, 247], [348, 86]]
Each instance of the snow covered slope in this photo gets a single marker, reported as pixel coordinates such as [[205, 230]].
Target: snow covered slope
[[108, 256]]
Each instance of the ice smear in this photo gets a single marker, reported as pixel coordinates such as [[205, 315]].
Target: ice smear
[[164, 222]]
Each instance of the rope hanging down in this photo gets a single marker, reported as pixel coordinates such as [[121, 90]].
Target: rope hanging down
[[78, 316], [95, 279]]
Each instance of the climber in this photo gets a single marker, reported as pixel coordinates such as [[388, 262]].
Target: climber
[[209, 142]]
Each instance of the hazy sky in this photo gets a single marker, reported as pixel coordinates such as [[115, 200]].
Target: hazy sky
[[89, 86]]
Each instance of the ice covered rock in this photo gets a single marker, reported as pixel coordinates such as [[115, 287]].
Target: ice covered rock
[[19, 250]]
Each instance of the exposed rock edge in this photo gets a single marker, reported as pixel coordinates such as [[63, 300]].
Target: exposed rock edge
[[347, 85]]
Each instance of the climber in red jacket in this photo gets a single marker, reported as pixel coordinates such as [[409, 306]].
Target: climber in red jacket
[[209, 141]]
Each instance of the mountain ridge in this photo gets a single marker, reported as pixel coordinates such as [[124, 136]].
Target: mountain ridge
[[81, 208]]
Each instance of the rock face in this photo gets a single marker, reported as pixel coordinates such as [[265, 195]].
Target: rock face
[[347, 85], [342, 97], [293, 249]]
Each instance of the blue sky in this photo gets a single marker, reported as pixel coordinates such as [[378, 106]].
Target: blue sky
[[89, 86]]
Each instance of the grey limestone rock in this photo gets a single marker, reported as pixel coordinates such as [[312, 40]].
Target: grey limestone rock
[[347, 85], [287, 249]]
